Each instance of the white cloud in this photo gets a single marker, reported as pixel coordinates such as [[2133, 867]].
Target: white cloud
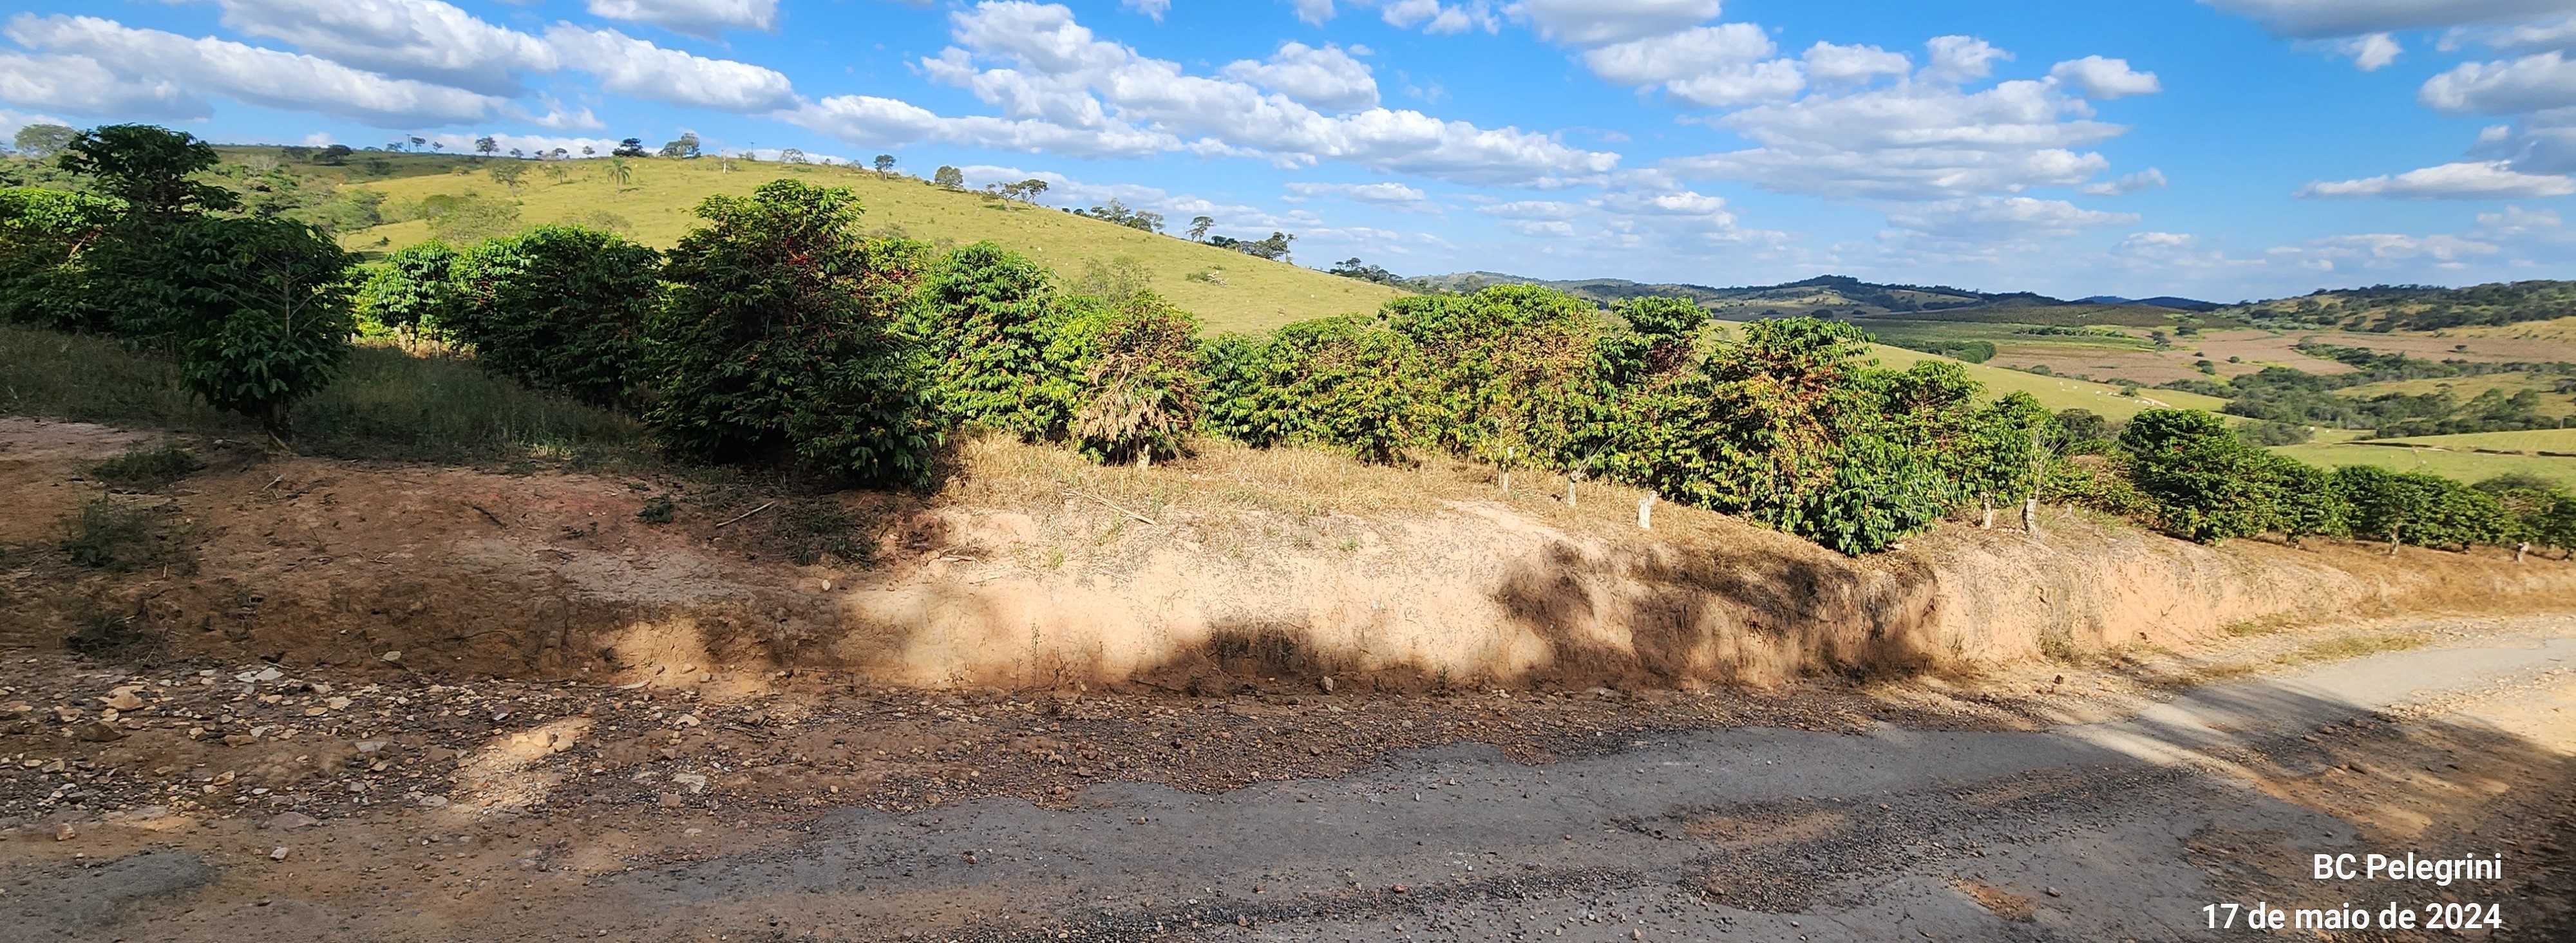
[[557, 118], [151, 59], [703, 18], [2372, 52], [2148, 179], [1382, 194], [2531, 83], [1956, 59], [1678, 55], [2102, 78], [2534, 37], [2155, 240], [1828, 63], [418, 39], [1327, 78], [1601, 22], [2467, 180], [2394, 247], [1054, 80], [1153, 9], [1532, 210], [2018, 216], [2325, 19], [1314, 11], [2514, 221], [631, 66], [1775, 80], [1897, 174], [12, 121], [79, 84]]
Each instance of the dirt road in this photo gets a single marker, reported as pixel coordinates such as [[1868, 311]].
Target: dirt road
[[2117, 829]]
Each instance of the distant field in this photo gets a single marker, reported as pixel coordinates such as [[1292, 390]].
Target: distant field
[[2552, 402], [1254, 296], [2443, 345], [2530, 440], [2465, 466], [2058, 392], [2554, 329]]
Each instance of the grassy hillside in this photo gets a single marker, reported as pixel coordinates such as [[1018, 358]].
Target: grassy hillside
[[2552, 402], [2531, 440], [2464, 466], [2418, 307], [2058, 392], [1229, 291]]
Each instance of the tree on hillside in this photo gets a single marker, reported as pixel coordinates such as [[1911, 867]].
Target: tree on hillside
[[791, 156], [509, 174], [949, 177], [884, 164], [685, 146], [1030, 188], [333, 155], [148, 167], [631, 147], [487, 146], [619, 172], [1199, 226], [42, 141], [589, 151], [417, 141], [439, 146], [1274, 248], [1354, 268]]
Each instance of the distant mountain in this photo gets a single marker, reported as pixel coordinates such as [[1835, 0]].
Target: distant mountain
[[2159, 301]]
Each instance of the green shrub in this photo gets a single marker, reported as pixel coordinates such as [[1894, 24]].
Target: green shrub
[[1508, 370], [43, 235], [412, 292], [986, 317], [2267, 432], [262, 317], [1140, 393], [2206, 483], [780, 335], [2308, 505], [559, 308], [1345, 383]]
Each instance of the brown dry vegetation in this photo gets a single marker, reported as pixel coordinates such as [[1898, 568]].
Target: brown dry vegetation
[[1038, 569]]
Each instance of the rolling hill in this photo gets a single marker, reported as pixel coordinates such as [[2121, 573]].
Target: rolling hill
[[2417, 307], [1851, 299], [1229, 291]]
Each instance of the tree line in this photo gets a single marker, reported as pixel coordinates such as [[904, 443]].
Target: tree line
[[775, 332]]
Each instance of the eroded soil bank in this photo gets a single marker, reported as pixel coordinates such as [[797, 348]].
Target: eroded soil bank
[[548, 575]]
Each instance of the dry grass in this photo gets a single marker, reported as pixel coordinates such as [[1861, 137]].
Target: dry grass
[[2528, 440], [2464, 466], [1255, 295]]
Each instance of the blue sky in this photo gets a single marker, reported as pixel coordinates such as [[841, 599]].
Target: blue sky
[[2221, 148]]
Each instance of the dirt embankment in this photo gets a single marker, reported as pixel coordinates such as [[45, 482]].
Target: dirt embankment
[[413, 568]]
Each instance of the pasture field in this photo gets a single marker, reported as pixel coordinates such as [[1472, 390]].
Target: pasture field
[[2552, 402], [1229, 291], [2528, 440], [2465, 466]]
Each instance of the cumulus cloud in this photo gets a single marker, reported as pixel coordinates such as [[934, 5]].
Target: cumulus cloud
[[2531, 83], [1828, 63], [2371, 52], [1328, 78], [151, 59], [1381, 194], [701, 18], [418, 39], [1956, 59], [2326, 19], [81, 85], [2148, 179], [1153, 9], [1531, 210], [1678, 55], [2467, 180], [2155, 240], [631, 66], [2003, 216], [1050, 74], [1601, 22], [1913, 141], [2097, 77]]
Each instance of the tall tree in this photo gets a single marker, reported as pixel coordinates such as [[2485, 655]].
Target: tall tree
[[884, 164], [486, 146], [949, 177], [1199, 226], [684, 146], [42, 141], [148, 168], [631, 147]]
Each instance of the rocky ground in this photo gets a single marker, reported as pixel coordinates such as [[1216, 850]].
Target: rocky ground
[[2112, 799]]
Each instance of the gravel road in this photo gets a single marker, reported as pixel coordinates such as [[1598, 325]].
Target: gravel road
[[2124, 829]]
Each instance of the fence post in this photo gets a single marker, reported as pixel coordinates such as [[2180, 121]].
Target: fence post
[[1646, 512]]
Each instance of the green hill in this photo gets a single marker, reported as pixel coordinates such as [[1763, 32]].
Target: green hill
[[1229, 291], [2417, 307]]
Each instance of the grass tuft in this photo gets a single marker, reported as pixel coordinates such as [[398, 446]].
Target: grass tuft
[[146, 468]]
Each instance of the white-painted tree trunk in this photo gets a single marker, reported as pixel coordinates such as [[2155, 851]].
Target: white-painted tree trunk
[[1985, 516], [1646, 512], [2030, 514]]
